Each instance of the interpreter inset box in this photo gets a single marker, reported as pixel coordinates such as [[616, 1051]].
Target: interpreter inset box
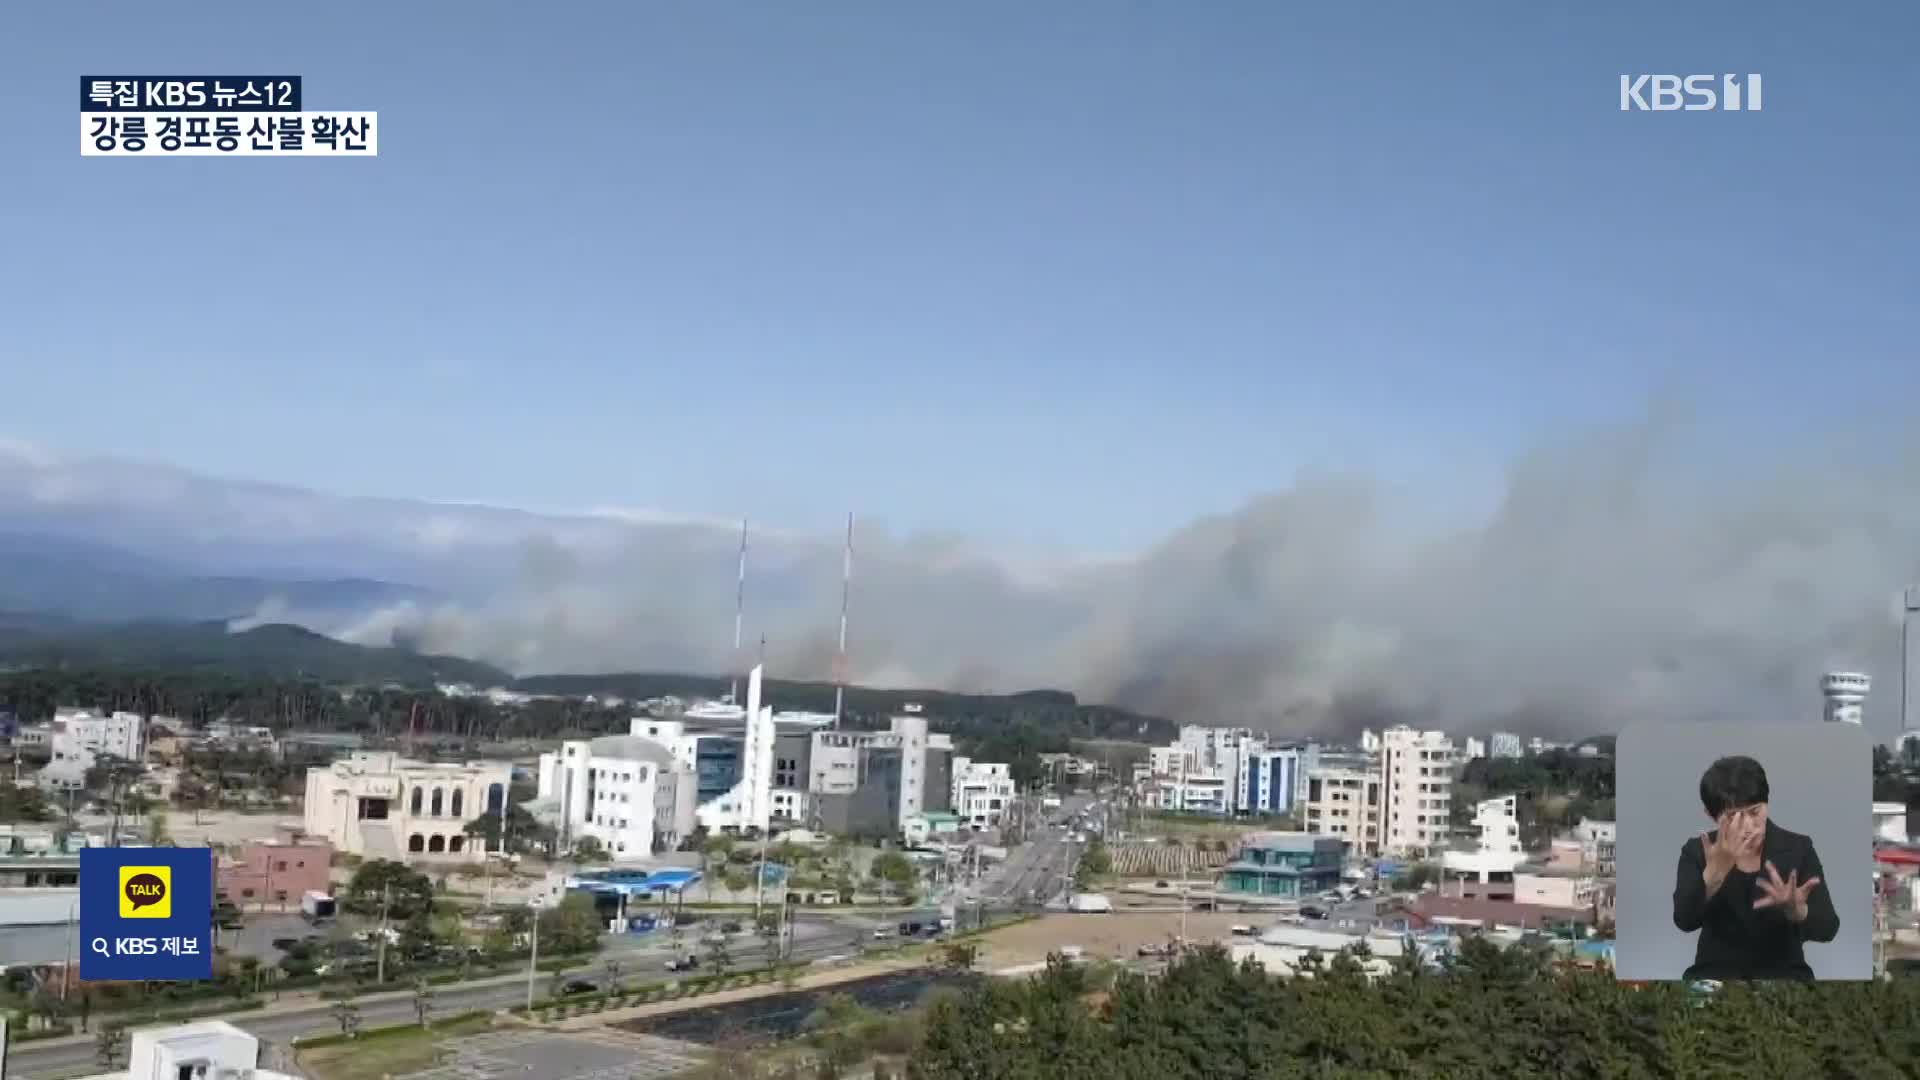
[[1744, 852]]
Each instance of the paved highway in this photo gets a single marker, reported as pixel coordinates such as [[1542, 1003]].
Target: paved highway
[[815, 938]]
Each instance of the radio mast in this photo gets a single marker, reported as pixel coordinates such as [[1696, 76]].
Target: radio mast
[[739, 606], [840, 661]]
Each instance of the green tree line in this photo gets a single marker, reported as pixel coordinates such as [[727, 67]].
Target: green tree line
[[1014, 728], [1493, 1014]]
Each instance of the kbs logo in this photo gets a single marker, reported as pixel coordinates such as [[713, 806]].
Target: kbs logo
[[1691, 93], [146, 892]]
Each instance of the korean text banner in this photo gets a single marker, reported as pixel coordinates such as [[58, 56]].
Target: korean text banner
[[146, 913]]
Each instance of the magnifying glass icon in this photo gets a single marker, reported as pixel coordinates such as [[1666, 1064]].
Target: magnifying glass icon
[[99, 945]]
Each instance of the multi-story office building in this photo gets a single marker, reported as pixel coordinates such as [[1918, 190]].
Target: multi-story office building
[[383, 806], [871, 783], [1283, 865], [722, 768], [1474, 749], [1506, 744], [1416, 780], [1273, 781], [715, 767]]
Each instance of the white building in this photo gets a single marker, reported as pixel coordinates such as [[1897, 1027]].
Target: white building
[[80, 738], [1505, 744], [1416, 774], [1369, 741], [982, 791], [206, 1050], [1597, 840], [623, 790], [1845, 694], [78, 733], [1474, 750], [383, 806], [725, 768], [1193, 792]]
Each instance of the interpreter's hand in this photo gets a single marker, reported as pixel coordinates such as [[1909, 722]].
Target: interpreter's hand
[[1790, 895], [1720, 853], [1748, 834]]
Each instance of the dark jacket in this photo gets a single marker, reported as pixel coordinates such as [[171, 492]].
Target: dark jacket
[[1738, 942]]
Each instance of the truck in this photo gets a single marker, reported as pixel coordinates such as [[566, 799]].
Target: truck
[[1090, 904], [317, 906]]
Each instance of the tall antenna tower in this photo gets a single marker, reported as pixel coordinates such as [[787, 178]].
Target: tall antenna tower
[[1910, 604], [739, 606], [840, 661]]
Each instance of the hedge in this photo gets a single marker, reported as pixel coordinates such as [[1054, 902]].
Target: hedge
[[386, 1032], [577, 1004]]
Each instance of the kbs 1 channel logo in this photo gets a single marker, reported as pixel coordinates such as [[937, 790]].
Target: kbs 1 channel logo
[[215, 116], [1690, 93]]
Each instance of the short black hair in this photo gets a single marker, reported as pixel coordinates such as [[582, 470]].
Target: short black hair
[[1731, 784]]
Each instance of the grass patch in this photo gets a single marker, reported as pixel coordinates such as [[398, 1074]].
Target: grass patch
[[392, 1053]]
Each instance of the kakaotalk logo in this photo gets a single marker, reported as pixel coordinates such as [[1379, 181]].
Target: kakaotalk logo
[[146, 892]]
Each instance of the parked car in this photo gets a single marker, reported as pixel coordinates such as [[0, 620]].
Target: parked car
[[688, 962], [577, 986], [1311, 912]]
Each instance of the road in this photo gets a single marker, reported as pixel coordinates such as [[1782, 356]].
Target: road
[[1042, 868], [642, 959]]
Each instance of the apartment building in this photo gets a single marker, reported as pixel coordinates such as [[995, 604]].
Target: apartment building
[[1506, 744], [1416, 775], [1344, 801]]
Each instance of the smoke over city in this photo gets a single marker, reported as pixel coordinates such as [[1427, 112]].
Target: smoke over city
[[1623, 574]]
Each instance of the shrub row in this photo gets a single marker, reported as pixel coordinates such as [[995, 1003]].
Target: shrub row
[[582, 1004], [387, 1031]]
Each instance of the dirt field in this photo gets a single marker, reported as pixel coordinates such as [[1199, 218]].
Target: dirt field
[[1113, 936]]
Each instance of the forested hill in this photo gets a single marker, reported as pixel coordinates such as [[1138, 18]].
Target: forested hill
[[274, 674], [1053, 708], [275, 651]]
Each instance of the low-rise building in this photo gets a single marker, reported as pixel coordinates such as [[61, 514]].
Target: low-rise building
[[383, 806], [1597, 839], [1283, 865], [206, 1050], [982, 791], [277, 872]]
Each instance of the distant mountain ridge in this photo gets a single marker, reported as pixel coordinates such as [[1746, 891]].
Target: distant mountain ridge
[[58, 576], [273, 651], [285, 652]]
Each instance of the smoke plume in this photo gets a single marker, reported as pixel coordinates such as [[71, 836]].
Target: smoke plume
[[1623, 574]]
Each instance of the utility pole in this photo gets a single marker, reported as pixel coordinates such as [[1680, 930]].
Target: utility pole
[[380, 950], [533, 957], [66, 969]]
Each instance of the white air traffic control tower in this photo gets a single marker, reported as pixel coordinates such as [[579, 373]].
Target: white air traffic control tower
[[1846, 692]]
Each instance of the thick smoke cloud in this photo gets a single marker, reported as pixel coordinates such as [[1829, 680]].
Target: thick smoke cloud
[[1624, 573]]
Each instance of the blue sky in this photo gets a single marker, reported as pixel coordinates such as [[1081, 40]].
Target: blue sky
[[1063, 273]]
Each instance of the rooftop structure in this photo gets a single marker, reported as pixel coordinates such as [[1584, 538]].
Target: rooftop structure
[[208, 1050], [1845, 695]]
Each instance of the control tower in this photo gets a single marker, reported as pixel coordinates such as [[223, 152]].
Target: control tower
[[1845, 692]]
